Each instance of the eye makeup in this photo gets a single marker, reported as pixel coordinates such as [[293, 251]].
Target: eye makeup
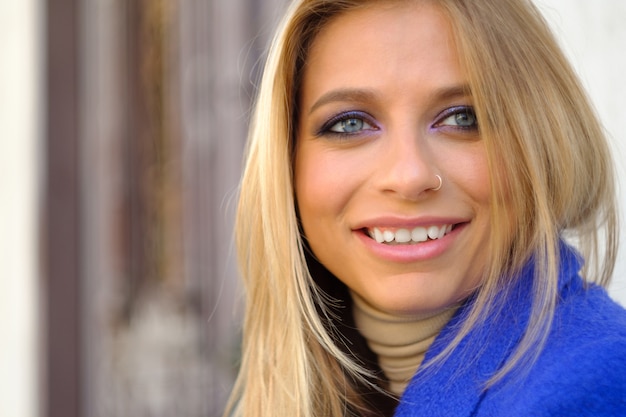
[[353, 123], [458, 117]]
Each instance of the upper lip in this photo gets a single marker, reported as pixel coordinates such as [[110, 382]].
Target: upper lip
[[394, 222]]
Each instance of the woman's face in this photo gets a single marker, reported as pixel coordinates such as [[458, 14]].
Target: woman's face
[[383, 110]]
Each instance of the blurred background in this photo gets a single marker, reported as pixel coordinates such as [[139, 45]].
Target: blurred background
[[122, 129]]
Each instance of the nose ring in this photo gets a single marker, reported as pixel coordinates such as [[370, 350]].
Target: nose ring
[[440, 183]]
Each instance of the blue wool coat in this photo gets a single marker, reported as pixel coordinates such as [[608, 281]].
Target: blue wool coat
[[581, 371]]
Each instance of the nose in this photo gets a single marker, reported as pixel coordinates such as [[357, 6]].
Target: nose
[[407, 167]]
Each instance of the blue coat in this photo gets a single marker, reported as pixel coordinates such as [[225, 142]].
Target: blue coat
[[580, 372]]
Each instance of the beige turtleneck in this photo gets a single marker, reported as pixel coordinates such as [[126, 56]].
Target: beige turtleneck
[[399, 342]]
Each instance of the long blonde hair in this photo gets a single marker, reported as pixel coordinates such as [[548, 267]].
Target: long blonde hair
[[549, 162]]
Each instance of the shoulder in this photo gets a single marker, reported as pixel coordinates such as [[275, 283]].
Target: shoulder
[[582, 369]]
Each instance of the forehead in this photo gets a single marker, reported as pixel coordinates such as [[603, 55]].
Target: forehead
[[390, 46], [386, 21]]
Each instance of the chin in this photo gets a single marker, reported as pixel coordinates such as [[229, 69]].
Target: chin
[[400, 304]]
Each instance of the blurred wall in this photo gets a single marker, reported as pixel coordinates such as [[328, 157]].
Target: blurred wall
[[165, 93]]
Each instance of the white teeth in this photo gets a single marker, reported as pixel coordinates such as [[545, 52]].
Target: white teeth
[[433, 232], [416, 235], [419, 234], [403, 236], [378, 235]]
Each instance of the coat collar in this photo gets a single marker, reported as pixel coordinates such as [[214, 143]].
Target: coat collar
[[455, 386]]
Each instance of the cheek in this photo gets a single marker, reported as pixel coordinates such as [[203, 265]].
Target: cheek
[[311, 184], [498, 202], [470, 170], [481, 183], [310, 197], [324, 182]]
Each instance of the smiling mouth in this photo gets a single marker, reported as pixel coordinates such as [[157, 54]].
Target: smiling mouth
[[408, 236]]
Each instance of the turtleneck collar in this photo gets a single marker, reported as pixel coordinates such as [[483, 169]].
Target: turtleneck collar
[[399, 342]]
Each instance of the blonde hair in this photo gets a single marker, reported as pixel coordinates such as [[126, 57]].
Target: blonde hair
[[550, 165]]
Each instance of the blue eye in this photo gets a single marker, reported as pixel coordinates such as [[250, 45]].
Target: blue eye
[[459, 117], [351, 123]]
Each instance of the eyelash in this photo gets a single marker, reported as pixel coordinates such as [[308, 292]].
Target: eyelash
[[325, 130], [455, 111]]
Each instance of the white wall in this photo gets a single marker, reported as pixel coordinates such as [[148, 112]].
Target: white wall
[[593, 34], [20, 95]]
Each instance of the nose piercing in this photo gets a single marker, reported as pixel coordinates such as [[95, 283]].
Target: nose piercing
[[440, 183]]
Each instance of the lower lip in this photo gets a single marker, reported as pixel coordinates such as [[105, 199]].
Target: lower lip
[[416, 252]]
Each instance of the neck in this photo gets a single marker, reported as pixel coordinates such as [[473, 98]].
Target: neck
[[400, 342]]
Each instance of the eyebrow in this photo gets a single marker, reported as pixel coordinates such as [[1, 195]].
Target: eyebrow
[[343, 94], [446, 93], [365, 95]]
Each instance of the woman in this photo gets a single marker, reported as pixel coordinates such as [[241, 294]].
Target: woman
[[414, 169]]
